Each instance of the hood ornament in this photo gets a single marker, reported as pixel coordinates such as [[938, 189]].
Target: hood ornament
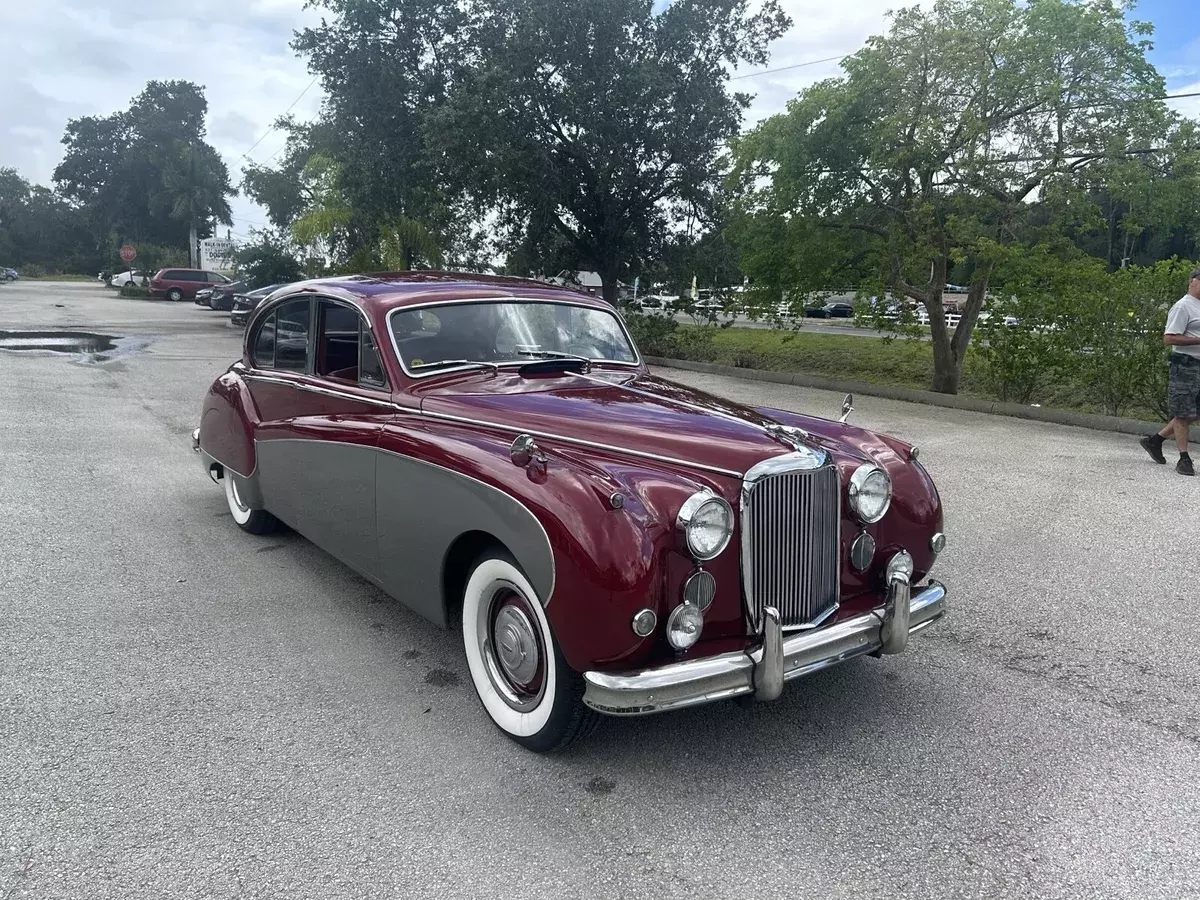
[[790, 435], [847, 408]]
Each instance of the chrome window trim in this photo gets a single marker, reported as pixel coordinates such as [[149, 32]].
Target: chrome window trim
[[254, 375], [363, 320], [637, 354], [272, 302]]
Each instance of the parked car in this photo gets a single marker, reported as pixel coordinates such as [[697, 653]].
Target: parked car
[[604, 541], [177, 284], [815, 311], [220, 296], [243, 303], [127, 278], [839, 310], [8, 274]]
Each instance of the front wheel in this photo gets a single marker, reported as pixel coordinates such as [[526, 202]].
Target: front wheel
[[519, 673], [255, 521]]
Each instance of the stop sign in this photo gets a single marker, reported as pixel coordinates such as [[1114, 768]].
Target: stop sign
[[128, 253]]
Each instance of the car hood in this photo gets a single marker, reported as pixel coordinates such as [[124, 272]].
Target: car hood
[[639, 413]]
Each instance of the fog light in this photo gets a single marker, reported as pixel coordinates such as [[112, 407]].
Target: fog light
[[699, 590], [900, 567], [644, 622], [937, 543], [862, 551], [684, 626]]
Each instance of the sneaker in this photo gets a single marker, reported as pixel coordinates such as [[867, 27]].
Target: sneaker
[[1154, 448], [1184, 466]]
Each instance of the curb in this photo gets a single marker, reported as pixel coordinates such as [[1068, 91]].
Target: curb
[[1093, 421]]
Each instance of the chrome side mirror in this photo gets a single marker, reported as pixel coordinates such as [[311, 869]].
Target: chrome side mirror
[[847, 408], [524, 451]]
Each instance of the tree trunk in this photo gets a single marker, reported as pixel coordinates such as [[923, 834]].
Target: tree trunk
[[946, 368], [193, 252], [610, 285]]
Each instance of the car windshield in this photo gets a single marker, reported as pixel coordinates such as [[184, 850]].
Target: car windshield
[[507, 331]]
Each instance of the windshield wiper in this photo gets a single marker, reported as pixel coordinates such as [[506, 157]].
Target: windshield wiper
[[557, 354], [457, 362]]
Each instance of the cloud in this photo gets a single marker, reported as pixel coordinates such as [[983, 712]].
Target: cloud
[[820, 30], [90, 57], [68, 58]]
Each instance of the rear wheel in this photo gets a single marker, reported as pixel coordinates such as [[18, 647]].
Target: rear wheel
[[174, 295], [255, 521], [519, 673]]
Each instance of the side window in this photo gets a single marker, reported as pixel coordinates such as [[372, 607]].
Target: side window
[[263, 356], [291, 336], [370, 369], [337, 341]]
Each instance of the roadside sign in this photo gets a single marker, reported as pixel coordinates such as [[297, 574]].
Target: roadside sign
[[128, 253]]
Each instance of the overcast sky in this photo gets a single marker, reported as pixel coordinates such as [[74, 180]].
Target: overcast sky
[[68, 58]]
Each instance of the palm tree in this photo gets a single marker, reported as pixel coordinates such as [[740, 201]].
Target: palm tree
[[197, 186], [402, 239]]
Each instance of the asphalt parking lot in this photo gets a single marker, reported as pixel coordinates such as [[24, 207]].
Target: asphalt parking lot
[[189, 711]]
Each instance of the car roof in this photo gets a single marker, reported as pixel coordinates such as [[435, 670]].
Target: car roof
[[391, 290]]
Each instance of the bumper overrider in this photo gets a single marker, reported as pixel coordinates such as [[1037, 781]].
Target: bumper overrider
[[762, 672]]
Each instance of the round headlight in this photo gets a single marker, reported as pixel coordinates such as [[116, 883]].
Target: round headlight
[[705, 524], [684, 626], [870, 492]]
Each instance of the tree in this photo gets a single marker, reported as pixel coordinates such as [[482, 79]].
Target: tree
[[269, 258], [322, 225], [39, 228], [940, 144], [404, 240], [195, 183], [115, 168], [598, 117], [384, 65]]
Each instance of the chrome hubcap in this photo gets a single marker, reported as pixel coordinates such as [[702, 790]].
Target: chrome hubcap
[[516, 645], [512, 646]]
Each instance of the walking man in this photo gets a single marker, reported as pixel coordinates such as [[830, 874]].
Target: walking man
[[1182, 335]]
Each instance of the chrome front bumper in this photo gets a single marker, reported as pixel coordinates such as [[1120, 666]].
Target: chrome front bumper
[[764, 670]]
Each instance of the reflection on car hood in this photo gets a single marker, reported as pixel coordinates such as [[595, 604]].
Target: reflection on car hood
[[640, 413]]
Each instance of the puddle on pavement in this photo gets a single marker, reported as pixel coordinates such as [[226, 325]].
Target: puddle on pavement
[[85, 346]]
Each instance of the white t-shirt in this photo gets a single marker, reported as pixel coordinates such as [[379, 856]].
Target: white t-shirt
[[1184, 318]]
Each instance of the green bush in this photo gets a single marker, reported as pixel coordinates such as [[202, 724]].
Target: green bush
[[653, 334], [134, 290]]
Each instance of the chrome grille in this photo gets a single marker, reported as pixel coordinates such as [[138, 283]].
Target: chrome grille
[[791, 525]]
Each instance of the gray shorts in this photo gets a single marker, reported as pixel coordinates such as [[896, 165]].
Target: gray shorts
[[1183, 395]]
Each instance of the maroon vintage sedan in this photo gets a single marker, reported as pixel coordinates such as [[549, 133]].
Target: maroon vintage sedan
[[494, 453]]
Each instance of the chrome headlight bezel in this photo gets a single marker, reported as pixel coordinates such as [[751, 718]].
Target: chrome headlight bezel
[[690, 512], [863, 477]]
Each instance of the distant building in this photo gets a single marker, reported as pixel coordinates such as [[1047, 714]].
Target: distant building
[[588, 282]]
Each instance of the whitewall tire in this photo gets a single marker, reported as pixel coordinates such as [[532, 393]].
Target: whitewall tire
[[255, 521], [519, 673]]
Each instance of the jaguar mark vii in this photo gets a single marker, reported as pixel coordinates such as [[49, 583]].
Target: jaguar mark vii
[[496, 454]]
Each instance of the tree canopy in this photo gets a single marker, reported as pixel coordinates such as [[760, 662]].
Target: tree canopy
[[146, 174], [969, 126]]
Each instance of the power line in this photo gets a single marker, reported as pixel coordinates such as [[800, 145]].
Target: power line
[[811, 62], [246, 155]]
